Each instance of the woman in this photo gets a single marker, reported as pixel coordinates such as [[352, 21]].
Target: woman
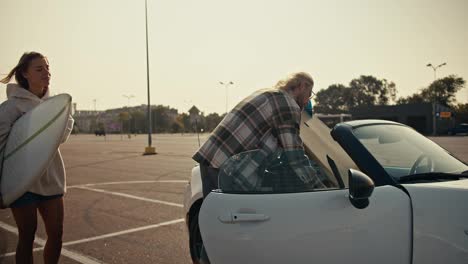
[[46, 195]]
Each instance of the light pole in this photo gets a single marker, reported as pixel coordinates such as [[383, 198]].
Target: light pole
[[434, 110], [149, 150], [128, 99], [130, 96], [226, 85], [94, 101], [435, 68]]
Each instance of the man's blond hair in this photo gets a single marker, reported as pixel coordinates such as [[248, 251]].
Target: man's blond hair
[[294, 81]]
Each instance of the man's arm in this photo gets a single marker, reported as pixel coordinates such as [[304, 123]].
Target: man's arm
[[287, 131]]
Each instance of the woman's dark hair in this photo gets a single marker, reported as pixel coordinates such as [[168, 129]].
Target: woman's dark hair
[[21, 68]]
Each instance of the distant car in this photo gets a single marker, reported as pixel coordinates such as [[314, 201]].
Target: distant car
[[397, 197], [459, 129], [100, 132]]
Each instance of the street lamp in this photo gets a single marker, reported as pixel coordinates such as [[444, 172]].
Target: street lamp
[[149, 150], [434, 110], [94, 101], [435, 68], [128, 111], [128, 98], [227, 86]]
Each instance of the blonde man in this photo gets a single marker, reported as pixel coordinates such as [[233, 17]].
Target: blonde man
[[267, 120]]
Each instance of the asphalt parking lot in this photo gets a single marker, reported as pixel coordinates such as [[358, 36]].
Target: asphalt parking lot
[[122, 207]]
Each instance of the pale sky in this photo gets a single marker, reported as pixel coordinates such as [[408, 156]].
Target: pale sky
[[96, 48]]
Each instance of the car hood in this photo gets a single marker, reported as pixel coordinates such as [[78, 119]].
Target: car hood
[[440, 221], [457, 184]]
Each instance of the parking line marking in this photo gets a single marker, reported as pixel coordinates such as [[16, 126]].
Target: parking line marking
[[133, 230], [65, 252], [126, 182], [132, 196]]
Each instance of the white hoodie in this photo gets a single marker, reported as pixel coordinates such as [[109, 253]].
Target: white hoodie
[[20, 101]]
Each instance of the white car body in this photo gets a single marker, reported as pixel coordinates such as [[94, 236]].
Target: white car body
[[440, 221], [193, 191], [410, 223]]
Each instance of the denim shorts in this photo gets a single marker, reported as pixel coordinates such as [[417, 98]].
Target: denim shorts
[[30, 198]]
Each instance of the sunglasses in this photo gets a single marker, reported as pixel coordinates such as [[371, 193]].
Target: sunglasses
[[312, 94]]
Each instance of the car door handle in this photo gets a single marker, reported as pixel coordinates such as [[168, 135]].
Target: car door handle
[[232, 218]]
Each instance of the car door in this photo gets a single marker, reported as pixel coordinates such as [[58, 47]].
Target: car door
[[307, 227]]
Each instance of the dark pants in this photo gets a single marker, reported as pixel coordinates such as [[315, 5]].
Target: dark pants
[[209, 177]]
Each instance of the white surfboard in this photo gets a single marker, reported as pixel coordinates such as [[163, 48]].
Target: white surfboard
[[31, 145]]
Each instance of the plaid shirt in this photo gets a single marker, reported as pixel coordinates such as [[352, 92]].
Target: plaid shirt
[[267, 120]]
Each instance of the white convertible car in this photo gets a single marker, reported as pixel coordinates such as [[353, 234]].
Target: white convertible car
[[394, 196]]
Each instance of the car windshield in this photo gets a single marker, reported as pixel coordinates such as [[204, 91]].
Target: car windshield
[[402, 151]]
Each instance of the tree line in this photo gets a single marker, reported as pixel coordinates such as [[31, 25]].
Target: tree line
[[166, 120], [368, 90]]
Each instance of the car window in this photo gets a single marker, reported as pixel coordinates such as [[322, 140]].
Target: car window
[[252, 172], [396, 154], [401, 151]]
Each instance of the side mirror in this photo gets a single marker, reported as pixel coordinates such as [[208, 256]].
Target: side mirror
[[360, 188]]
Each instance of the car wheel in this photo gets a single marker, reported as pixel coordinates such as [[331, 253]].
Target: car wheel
[[195, 239]]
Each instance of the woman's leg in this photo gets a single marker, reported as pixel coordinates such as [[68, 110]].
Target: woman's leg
[[26, 221], [52, 214]]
